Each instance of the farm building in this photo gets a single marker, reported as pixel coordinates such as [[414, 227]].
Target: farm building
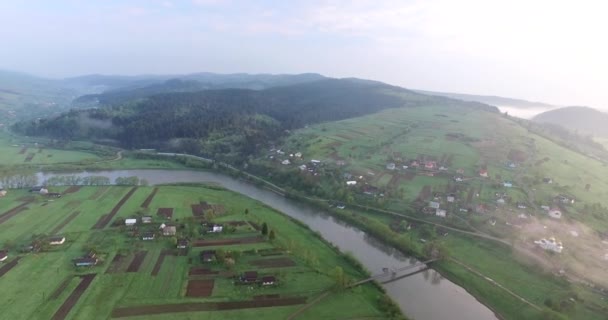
[[390, 166], [53, 194], [208, 256], [269, 280], [85, 262], [434, 205], [36, 189], [43, 191], [56, 240], [546, 208], [130, 222], [550, 245], [3, 256], [249, 277], [215, 228], [315, 162], [507, 184], [430, 165], [483, 173], [146, 219], [2, 192], [555, 213], [169, 231], [302, 167], [451, 197], [458, 178], [441, 213], [285, 162], [351, 183], [548, 180], [147, 236], [182, 243], [298, 154], [521, 205]]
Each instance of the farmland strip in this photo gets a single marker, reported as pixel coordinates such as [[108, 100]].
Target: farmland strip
[[159, 261], [64, 284], [137, 261], [244, 240], [29, 157], [149, 198], [71, 301], [273, 263], [13, 212], [98, 193], [7, 267], [65, 222], [204, 306], [72, 189], [116, 264], [103, 221]]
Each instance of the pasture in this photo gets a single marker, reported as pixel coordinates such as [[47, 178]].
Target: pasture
[[153, 279]]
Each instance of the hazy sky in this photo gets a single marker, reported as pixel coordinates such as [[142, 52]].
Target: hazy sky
[[553, 51]]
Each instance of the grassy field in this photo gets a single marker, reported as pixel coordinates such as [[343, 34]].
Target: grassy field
[[41, 282], [13, 152]]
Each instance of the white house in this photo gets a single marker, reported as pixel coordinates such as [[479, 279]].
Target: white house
[[434, 205], [451, 198], [302, 167], [130, 222], [3, 256], [44, 191], [546, 208], [441, 213], [313, 161], [2, 193], [351, 183], [390, 166], [507, 184], [285, 162], [555, 213], [550, 245], [298, 154], [500, 201], [56, 241], [216, 228]]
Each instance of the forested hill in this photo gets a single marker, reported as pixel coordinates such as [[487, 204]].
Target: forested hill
[[139, 89], [580, 119], [230, 121]]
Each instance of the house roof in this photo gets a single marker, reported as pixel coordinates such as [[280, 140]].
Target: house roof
[[269, 279], [3, 254], [250, 274], [56, 239]]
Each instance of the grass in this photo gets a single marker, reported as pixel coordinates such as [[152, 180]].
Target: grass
[[29, 285]]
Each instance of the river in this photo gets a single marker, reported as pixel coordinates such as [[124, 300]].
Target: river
[[422, 296]]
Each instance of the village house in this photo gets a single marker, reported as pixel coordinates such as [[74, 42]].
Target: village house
[[521, 205], [546, 208], [2, 192], [249, 277], [182, 243], [390, 166], [501, 201], [269, 280], [36, 189], [130, 222], [302, 167], [298, 154], [451, 197], [147, 236], [507, 184], [434, 205], [340, 163], [430, 165], [415, 164], [483, 173], [53, 194], [458, 178], [441, 213], [351, 183], [555, 213], [285, 162], [208, 256], [85, 262], [548, 180], [460, 171], [550, 245], [146, 219], [442, 168], [169, 231], [54, 241], [315, 162], [3, 256]]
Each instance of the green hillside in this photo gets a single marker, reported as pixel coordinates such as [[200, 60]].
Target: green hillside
[[584, 120]]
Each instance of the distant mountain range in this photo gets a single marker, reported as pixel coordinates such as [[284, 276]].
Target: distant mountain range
[[584, 120], [491, 100]]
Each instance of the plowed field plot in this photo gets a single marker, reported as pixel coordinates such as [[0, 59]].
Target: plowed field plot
[[72, 189], [167, 213], [266, 296], [149, 199], [219, 242], [201, 272], [138, 259], [65, 222], [159, 261], [197, 210], [71, 301], [273, 263], [64, 284], [117, 264], [409, 175], [255, 225], [71, 205], [425, 193], [104, 220], [98, 193], [204, 306], [23, 150], [200, 288], [236, 223], [517, 155], [13, 212], [29, 157], [7, 267]]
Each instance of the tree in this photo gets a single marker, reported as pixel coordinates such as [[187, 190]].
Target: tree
[[220, 255], [246, 211], [264, 229], [587, 187], [271, 236], [339, 277]]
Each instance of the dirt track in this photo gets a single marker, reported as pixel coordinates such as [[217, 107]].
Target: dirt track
[[65, 222], [159, 261], [71, 301], [204, 306], [13, 212], [72, 189], [149, 199], [116, 265], [137, 261]]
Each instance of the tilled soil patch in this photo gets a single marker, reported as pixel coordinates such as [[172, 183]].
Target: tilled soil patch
[[105, 219], [117, 264], [200, 288], [149, 199], [71, 301], [72, 189], [65, 222], [167, 213], [64, 284], [159, 261], [138, 259], [98, 193], [7, 267], [204, 306], [13, 212], [201, 271]]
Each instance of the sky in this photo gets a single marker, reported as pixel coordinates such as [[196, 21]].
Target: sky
[[541, 50]]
